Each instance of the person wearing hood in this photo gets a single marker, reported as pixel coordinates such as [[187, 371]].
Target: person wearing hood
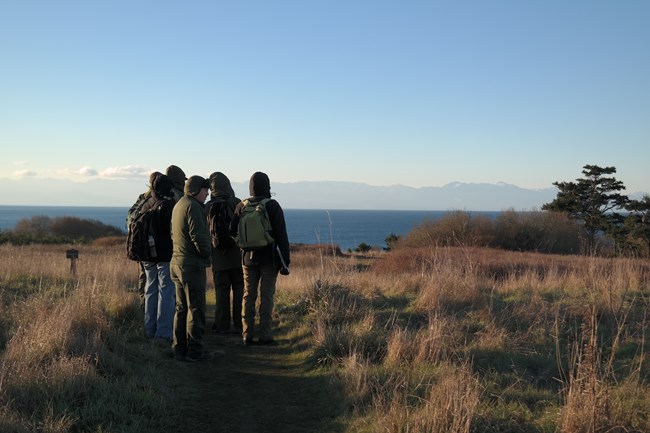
[[159, 293], [261, 266], [178, 180], [190, 257], [141, 205], [226, 256]]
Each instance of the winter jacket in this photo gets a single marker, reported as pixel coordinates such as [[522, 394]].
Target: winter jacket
[[162, 228], [190, 234]]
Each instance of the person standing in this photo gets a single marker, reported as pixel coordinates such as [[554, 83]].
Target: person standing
[[177, 175], [190, 257], [226, 256], [141, 204], [261, 266], [159, 293]]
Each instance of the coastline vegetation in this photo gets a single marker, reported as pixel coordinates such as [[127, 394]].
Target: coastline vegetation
[[42, 229]]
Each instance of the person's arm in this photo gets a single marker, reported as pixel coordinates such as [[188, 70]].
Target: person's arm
[[198, 231], [280, 231], [234, 222]]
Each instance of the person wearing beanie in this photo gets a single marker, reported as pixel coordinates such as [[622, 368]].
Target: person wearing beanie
[[261, 266], [191, 255], [226, 256], [159, 293], [178, 179]]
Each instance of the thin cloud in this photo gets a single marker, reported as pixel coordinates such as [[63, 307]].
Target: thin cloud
[[88, 171], [25, 173], [128, 171], [20, 163]]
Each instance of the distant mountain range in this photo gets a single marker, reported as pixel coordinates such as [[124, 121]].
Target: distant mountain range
[[456, 196], [295, 195]]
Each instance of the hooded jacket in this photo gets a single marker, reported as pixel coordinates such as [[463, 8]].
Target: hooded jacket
[[161, 197], [260, 188], [221, 191], [178, 178]]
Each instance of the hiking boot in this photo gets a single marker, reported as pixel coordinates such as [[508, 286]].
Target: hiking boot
[[248, 342], [267, 342]]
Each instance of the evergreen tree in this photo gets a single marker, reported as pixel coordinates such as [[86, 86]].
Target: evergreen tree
[[591, 200], [638, 221]]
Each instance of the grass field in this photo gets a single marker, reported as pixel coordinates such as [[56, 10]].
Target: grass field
[[415, 340]]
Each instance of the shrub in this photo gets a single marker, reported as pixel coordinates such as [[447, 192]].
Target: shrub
[[66, 229], [363, 248], [546, 232], [458, 228]]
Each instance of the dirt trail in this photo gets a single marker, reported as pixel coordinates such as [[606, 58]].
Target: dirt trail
[[253, 389]]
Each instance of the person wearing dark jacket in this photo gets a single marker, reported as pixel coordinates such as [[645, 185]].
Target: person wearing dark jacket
[[141, 205], [159, 293], [261, 266], [226, 258]]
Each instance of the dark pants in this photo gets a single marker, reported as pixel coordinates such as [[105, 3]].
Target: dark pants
[[224, 282], [189, 320], [260, 278]]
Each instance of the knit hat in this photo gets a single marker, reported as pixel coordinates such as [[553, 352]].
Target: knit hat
[[194, 184]]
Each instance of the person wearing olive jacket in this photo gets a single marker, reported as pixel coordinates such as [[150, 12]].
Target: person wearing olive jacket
[[190, 257], [261, 266]]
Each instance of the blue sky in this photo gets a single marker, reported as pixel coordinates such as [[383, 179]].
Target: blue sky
[[418, 93]]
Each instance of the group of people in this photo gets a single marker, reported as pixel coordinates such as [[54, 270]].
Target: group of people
[[173, 287]]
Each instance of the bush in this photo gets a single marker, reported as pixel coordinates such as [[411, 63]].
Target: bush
[[545, 232], [66, 229], [363, 248], [458, 228]]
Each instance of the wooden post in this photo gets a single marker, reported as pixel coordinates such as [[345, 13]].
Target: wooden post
[[73, 255]]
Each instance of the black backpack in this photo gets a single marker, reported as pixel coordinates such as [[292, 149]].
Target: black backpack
[[141, 242], [219, 217], [134, 211]]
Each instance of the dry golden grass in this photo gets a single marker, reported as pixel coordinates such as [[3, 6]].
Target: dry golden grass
[[62, 337], [501, 323], [424, 339]]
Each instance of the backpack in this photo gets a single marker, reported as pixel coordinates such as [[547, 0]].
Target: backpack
[[219, 217], [134, 211], [254, 229], [141, 242]]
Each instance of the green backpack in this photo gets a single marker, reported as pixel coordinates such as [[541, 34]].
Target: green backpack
[[254, 228]]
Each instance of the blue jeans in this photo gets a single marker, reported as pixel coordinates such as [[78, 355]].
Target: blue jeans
[[159, 301]]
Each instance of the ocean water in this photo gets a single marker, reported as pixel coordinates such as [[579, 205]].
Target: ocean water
[[345, 228]]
